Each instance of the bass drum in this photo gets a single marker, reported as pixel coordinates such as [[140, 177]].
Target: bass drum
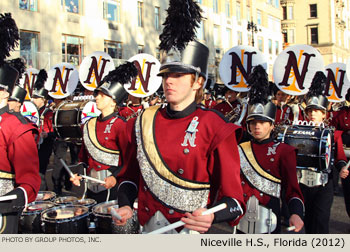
[[70, 115], [314, 144]]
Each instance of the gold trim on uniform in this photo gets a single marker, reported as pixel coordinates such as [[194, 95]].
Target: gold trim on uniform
[[171, 190], [7, 175]]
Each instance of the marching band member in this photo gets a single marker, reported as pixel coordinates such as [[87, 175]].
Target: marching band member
[[231, 105], [16, 99], [318, 195], [104, 138], [19, 164], [342, 123], [47, 135], [267, 166], [284, 113], [208, 101], [187, 155], [132, 109]]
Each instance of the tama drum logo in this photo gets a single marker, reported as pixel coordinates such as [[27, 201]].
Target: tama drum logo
[[300, 132]]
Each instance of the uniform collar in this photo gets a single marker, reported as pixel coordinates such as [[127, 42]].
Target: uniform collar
[[183, 113], [4, 110], [107, 117], [270, 139]]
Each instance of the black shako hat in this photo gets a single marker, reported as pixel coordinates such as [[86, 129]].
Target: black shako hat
[[179, 32], [9, 37], [315, 98], [260, 106], [113, 83], [18, 94], [39, 86]]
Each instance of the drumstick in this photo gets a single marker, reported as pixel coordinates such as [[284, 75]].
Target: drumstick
[[181, 223], [291, 228], [8, 197], [347, 165], [93, 179], [67, 168], [115, 214]]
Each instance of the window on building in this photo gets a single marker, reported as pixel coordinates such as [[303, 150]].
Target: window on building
[[313, 10], [228, 8], [291, 36], [270, 46], [228, 41], [114, 49], [31, 5], [239, 38], [314, 35], [258, 17], [29, 47], [260, 44], [284, 9], [285, 36], [216, 36], [249, 16], [200, 31], [140, 49], [277, 45], [156, 18], [140, 14], [215, 6], [72, 49], [111, 10], [290, 12], [277, 3], [72, 6], [238, 12]]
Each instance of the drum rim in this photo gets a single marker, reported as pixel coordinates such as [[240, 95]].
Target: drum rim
[[48, 192], [63, 220], [35, 212], [104, 203], [66, 197], [93, 203]]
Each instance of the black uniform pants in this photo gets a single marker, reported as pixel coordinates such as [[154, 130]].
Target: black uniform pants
[[318, 202], [346, 189]]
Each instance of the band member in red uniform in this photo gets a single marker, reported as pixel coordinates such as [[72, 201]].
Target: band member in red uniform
[[317, 187], [16, 99], [267, 166], [208, 100], [19, 164], [132, 109], [47, 135], [284, 113], [104, 137], [231, 106], [187, 155]]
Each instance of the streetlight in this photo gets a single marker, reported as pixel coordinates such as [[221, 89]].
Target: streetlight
[[253, 28]]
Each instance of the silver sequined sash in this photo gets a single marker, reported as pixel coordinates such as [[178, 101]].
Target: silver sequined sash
[[98, 152], [263, 184], [181, 195]]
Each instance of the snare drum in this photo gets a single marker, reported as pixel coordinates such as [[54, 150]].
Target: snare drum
[[66, 219], [89, 203], [67, 200], [314, 144], [45, 196], [30, 221], [70, 115], [105, 225]]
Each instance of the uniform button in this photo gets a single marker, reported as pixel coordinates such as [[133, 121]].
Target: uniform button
[[272, 159], [147, 209], [346, 124], [243, 182], [99, 166], [244, 195], [145, 188], [268, 170], [171, 211], [261, 194], [346, 118], [186, 151], [180, 171], [106, 138]]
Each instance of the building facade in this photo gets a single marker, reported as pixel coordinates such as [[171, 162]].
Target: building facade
[[323, 24], [55, 31]]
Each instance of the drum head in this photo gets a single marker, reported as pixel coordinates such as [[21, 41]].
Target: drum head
[[45, 196], [37, 207], [85, 202], [67, 200], [64, 213], [104, 208]]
